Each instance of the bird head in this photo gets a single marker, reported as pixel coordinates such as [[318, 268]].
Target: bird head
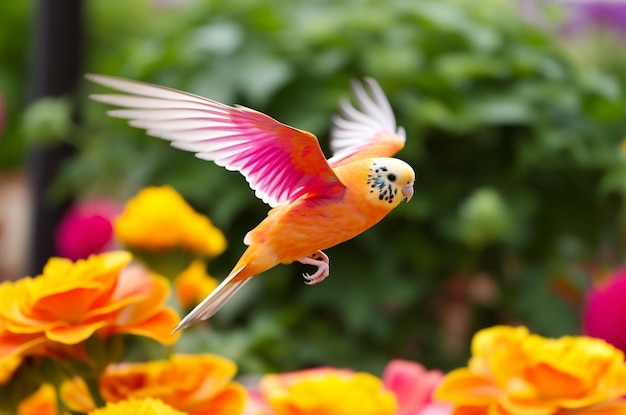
[[390, 180]]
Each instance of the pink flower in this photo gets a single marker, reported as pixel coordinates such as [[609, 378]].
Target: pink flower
[[604, 316], [87, 228], [413, 386]]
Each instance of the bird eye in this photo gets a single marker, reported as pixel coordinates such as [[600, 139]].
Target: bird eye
[[391, 177]]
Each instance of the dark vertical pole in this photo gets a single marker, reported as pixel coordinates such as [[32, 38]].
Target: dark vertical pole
[[56, 68]]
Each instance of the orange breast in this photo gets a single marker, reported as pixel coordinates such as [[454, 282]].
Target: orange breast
[[293, 231]]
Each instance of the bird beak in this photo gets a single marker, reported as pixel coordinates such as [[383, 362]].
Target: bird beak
[[407, 191]]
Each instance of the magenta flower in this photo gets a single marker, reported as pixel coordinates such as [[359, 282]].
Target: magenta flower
[[604, 316], [413, 386], [87, 228], [596, 14]]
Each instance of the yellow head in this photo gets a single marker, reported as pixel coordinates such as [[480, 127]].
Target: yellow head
[[389, 181]]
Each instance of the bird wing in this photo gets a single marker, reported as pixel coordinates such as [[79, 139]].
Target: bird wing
[[279, 162], [367, 130]]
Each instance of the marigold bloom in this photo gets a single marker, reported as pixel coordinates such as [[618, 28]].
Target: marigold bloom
[[413, 386], [146, 406], [158, 218], [605, 311], [513, 372], [327, 391], [196, 384], [58, 310], [194, 284]]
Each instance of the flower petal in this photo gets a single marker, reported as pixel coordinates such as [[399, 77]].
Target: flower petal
[[412, 384], [463, 387], [73, 334], [146, 406]]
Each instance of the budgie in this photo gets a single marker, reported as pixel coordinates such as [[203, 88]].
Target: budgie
[[316, 202]]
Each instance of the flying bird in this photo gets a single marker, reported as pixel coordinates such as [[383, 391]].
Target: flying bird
[[316, 202]]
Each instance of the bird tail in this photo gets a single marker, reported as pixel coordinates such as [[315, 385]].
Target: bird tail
[[214, 301]]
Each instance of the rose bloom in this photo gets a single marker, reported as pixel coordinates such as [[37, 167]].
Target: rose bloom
[[54, 313], [413, 386], [604, 316], [512, 372], [87, 228], [145, 406], [158, 218], [322, 391], [194, 284], [195, 384]]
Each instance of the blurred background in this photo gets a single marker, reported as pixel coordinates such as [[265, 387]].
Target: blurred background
[[514, 113]]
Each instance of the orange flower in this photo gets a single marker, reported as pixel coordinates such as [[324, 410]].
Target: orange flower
[[75, 394], [327, 391], [42, 402], [196, 384], [146, 406], [513, 372], [58, 310], [8, 366], [193, 284], [158, 218]]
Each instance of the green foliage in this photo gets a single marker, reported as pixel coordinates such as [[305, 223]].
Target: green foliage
[[47, 120], [516, 151], [14, 23]]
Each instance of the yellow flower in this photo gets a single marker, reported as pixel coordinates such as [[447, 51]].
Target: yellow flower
[[196, 384], [158, 218], [327, 391], [512, 372], [54, 313], [146, 406], [193, 284]]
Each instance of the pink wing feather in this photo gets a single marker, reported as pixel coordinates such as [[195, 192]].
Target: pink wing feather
[[367, 130], [279, 162]]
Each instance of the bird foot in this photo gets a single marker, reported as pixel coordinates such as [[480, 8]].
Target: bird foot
[[319, 260]]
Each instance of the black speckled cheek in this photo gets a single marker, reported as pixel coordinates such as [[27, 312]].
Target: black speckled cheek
[[376, 180]]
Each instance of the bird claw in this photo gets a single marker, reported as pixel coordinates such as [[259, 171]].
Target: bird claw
[[321, 261]]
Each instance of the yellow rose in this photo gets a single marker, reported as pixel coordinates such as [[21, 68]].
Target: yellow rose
[[512, 372]]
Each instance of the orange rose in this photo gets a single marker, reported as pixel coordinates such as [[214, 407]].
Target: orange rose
[[58, 310], [513, 372], [196, 384], [326, 391]]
